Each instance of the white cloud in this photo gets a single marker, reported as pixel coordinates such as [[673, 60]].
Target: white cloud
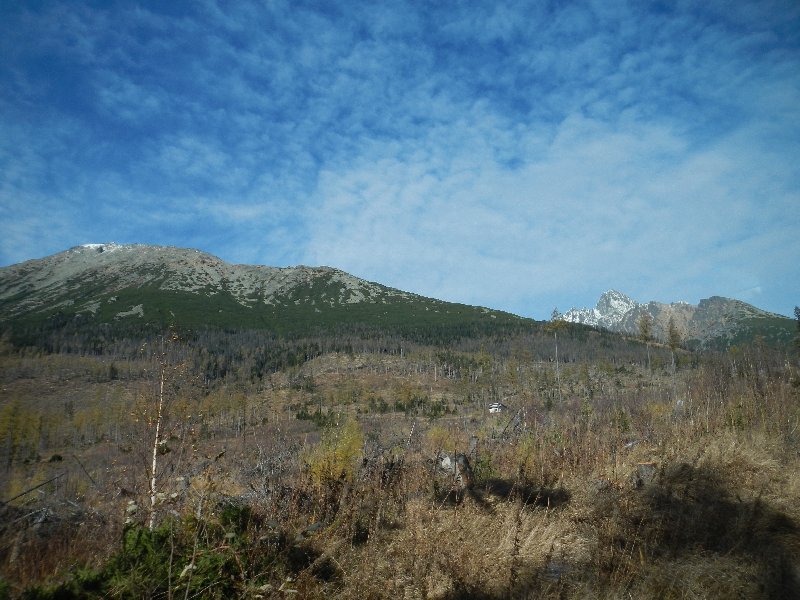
[[495, 153], [629, 202]]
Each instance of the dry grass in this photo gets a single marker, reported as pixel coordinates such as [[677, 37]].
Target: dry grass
[[721, 526], [554, 512]]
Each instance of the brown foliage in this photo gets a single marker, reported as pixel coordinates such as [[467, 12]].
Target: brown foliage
[[551, 510]]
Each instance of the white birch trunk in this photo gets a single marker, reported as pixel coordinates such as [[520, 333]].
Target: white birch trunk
[[558, 372], [155, 450]]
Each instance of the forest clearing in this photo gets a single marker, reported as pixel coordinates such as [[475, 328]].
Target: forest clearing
[[320, 473]]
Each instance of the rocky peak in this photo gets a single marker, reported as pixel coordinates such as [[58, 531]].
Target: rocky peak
[[85, 276], [612, 310], [716, 320], [128, 284], [613, 303]]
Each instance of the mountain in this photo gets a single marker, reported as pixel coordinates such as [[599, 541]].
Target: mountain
[[135, 286], [714, 322]]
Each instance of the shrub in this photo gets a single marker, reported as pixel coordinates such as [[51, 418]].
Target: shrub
[[335, 457]]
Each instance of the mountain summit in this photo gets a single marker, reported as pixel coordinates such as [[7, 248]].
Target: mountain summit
[[134, 285], [610, 312], [714, 322], [58, 280]]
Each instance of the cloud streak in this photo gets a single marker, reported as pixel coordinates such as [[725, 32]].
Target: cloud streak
[[506, 154]]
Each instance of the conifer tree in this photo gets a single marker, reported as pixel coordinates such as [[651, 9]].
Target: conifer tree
[[674, 341], [645, 324], [674, 337], [797, 318], [557, 322]]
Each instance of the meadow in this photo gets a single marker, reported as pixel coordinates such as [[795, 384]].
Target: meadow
[[619, 470]]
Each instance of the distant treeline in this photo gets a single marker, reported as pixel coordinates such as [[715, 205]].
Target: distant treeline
[[219, 354]]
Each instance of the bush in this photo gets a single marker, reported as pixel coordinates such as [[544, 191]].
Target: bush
[[149, 561], [335, 457]]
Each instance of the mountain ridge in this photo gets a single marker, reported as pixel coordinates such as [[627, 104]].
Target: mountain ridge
[[209, 272], [714, 322], [138, 283], [136, 286]]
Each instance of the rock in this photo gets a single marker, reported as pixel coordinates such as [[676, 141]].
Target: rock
[[645, 474], [458, 466], [314, 527], [554, 570], [600, 485]]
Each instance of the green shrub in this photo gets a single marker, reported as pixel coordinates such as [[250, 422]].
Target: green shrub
[[335, 456], [149, 561]]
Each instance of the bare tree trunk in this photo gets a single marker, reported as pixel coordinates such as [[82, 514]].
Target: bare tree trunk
[[674, 384], [558, 372], [156, 442]]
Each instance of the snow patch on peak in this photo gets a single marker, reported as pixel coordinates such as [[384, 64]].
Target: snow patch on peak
[[612, 309], [106, 247], [613, 302]]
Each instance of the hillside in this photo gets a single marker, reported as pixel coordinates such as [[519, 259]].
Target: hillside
[[714, 322], [139, 288], [302, 432], [130, 290]]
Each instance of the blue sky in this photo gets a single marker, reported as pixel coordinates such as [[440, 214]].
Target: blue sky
[[513, 155]]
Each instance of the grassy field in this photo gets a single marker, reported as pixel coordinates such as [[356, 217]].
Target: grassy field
[[602, 479]]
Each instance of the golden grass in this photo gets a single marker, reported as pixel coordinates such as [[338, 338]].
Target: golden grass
[[554, 513]]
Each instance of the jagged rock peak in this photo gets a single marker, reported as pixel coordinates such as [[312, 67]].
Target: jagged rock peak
[[613, 301], [718, 319], [611, 311]]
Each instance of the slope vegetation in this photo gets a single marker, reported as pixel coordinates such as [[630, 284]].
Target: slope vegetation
[[133, 288]]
